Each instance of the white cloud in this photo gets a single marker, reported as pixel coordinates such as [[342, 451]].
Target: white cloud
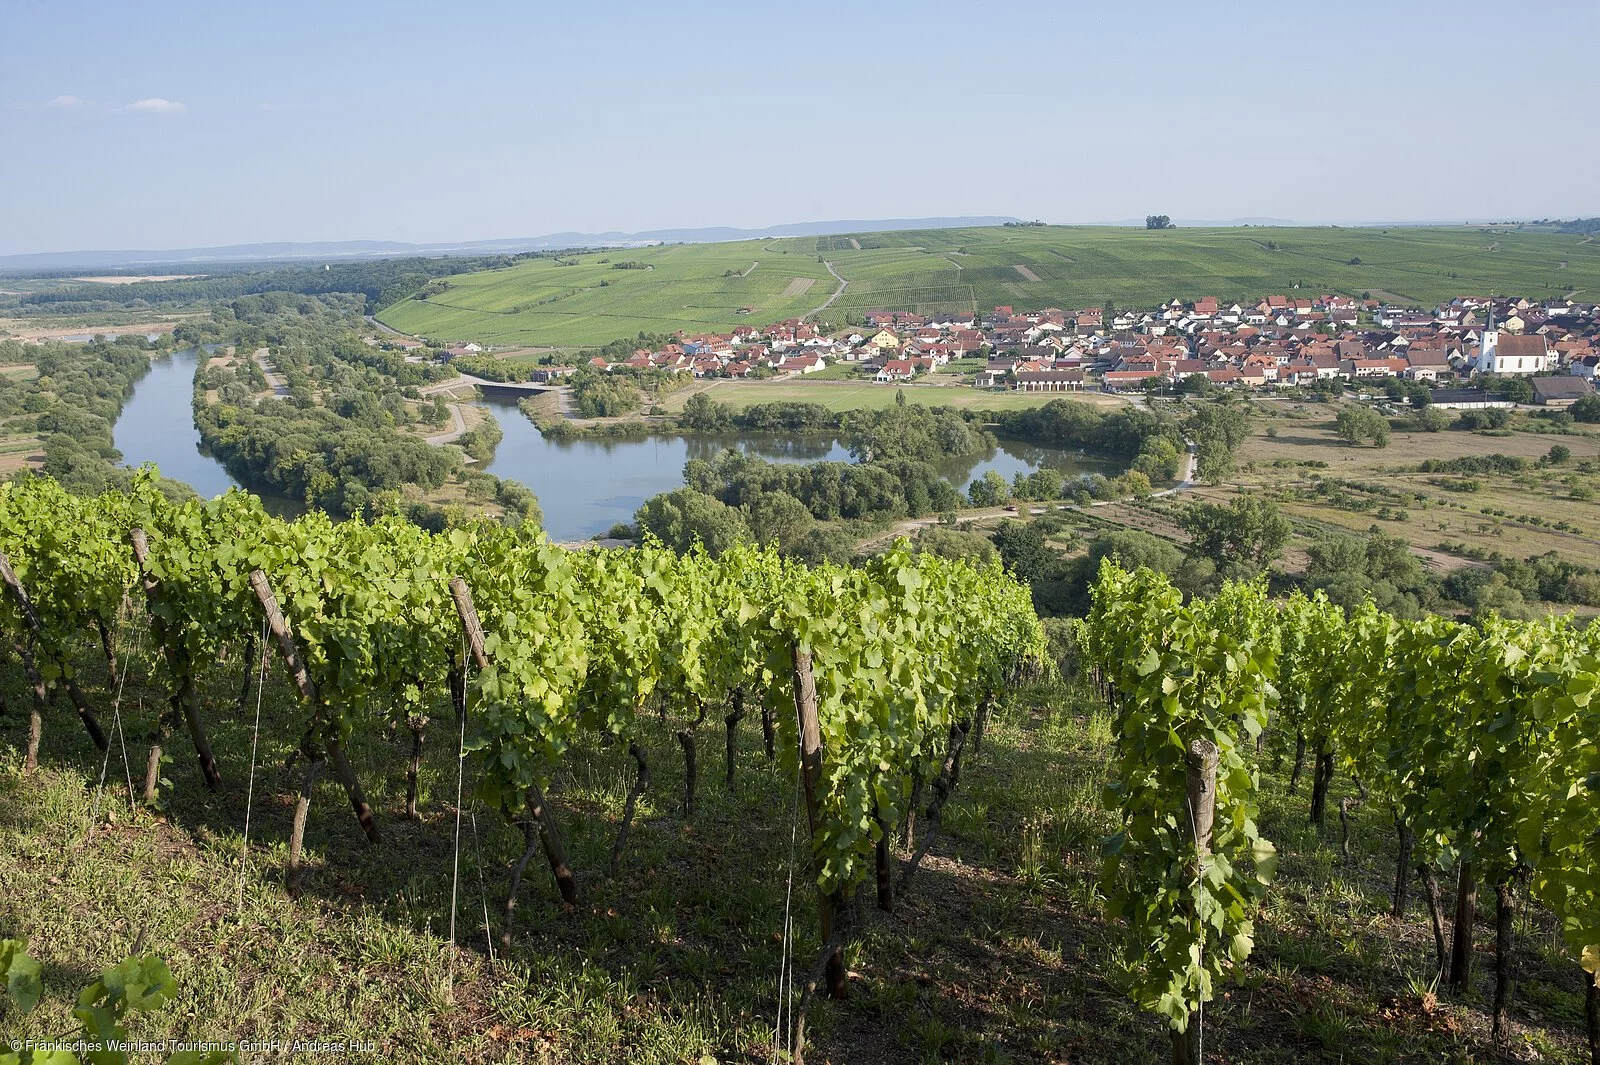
[[65, 101], [155, 105]]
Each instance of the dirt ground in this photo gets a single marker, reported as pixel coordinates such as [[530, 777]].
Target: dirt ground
[[28, 330], [130, 280]]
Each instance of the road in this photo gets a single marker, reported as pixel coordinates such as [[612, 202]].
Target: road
[[843, 284], [275, 380], [449, 436], [452, 383], [385, 329]]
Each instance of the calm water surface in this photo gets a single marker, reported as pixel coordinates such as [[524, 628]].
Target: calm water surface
[[584, 486], [157, 426]]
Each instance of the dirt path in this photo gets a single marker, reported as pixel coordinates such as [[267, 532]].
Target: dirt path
[[275, 380], [25, 332], [843, 284]]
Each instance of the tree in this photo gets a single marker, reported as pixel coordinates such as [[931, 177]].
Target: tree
[[1158, 221], [1242, 536], [681, 517], [1023, 549], [1558, 454], [1587, 409], [778, 517], [1430, 419], [1137, 484], [1217, 431], [955, 544], [1355, 424], [703, 414], [990, 490]]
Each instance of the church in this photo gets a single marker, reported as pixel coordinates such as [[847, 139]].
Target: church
[[1513, 354]]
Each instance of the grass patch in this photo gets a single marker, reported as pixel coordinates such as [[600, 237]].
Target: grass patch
[[999, 953]]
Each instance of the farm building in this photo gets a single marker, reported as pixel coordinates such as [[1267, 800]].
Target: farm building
[[1560, 391], [1049, 381]]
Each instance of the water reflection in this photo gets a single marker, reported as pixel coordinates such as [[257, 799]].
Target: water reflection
[[157, 425], [586, 486]]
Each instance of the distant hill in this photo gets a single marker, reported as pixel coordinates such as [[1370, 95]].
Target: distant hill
[[320, 251]]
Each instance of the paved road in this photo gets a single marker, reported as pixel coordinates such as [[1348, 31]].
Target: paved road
[[451, 383], [450, 435], [385, 329]]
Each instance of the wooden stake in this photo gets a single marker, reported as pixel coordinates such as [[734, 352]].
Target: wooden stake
[[1505, 910], [883, 863], [549, 834], [805, 702], [30, 761], [1466, 915], [279, 628], [1200, 762], [185, 698], [18, 593], [732, 720]]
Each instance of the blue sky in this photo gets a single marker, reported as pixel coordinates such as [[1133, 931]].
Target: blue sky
[[162, 125]]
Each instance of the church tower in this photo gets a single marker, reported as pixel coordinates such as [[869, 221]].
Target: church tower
[[1487, 345]]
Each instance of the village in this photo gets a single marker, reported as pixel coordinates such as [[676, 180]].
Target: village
[[1277, 342]]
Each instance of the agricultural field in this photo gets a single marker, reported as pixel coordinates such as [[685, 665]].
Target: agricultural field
[[1293, 449], [587, 299], [698, 287]]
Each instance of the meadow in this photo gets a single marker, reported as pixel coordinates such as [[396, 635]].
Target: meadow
[[870, 395], [702, 287]]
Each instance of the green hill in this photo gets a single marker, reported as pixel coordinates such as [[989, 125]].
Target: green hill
[[587, 299]]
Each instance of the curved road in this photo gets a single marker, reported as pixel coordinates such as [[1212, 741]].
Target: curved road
[[843, 284]]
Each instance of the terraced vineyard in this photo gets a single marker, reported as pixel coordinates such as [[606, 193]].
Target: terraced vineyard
[[585, 299]]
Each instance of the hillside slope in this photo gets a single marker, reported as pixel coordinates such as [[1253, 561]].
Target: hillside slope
[[714, 286]]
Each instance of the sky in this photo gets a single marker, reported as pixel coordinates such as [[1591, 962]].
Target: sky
[[160, 125]]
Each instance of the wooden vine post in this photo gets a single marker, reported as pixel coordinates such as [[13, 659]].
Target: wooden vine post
[[184, 697], [90, 722], [538, 811], [1466, 915], [1200, 764], [279, 627], [805, 703]]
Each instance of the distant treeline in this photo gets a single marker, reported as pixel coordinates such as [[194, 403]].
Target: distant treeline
[[1581, 226], [380, 282]]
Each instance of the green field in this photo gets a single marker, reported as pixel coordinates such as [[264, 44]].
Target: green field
[[871, 395], [698, 287], [693, 287]]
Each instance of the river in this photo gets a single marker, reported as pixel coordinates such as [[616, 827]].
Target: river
[[584, 486], [157, 426]]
